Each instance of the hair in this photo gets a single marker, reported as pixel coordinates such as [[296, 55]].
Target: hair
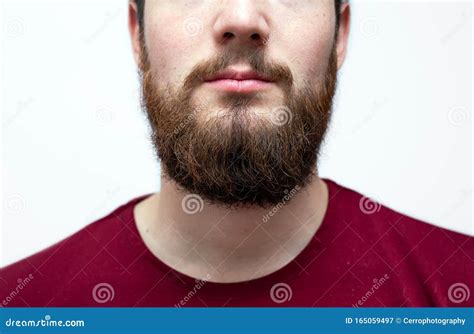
[[239, 158], [141, 7]]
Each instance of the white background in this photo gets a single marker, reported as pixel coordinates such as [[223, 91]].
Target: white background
[[75, 142]]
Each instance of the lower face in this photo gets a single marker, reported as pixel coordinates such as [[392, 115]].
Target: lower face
[[240, 143]]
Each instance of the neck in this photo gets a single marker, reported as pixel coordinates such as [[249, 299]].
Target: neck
[[226, 245]]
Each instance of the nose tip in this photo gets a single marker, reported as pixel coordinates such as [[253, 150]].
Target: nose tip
[[241, 24]]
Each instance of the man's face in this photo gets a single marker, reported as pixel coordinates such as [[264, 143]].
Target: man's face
[[238, 93]]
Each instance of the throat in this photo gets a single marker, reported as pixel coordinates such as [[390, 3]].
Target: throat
[[229, 245]]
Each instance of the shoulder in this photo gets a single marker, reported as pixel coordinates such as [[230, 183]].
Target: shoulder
[[35, 280], [422, 256], [377, 220]]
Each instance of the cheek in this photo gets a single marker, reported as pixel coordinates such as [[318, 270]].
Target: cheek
[[169, 51], [310, 48], [313, 58]]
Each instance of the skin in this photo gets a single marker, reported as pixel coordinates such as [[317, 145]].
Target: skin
[[222, 244]]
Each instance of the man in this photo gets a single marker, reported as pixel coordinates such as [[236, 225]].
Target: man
[[239, 96]]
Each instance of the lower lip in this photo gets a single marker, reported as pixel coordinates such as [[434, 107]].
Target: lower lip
[[239, 86]]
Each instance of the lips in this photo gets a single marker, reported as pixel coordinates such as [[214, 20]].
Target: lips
[[241, 81], [238, 75]]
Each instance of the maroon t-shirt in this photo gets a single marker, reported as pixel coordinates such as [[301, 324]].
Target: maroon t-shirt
[[364, 254]]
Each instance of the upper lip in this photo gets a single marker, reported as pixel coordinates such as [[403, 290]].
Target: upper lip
[[233, 74]]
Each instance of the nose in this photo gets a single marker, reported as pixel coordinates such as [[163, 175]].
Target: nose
[[241, 22]]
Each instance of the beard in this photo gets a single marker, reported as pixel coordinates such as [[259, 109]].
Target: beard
[[239, 158]]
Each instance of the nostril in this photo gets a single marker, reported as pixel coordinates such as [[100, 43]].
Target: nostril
[[228, 35], [255, 37]]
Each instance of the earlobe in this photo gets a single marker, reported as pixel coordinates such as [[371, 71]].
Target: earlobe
[[343, 33]]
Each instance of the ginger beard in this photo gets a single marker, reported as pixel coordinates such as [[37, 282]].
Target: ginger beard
[[237, 157]]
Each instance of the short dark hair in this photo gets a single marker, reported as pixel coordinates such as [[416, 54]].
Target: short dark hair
[[141, 7]]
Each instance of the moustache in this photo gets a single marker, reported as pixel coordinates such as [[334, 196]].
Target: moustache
[[256, 60]]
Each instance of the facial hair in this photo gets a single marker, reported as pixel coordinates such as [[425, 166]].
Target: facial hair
[[239, 159]]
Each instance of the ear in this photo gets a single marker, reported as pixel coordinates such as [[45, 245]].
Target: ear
[[134, 30], [343, 33]]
